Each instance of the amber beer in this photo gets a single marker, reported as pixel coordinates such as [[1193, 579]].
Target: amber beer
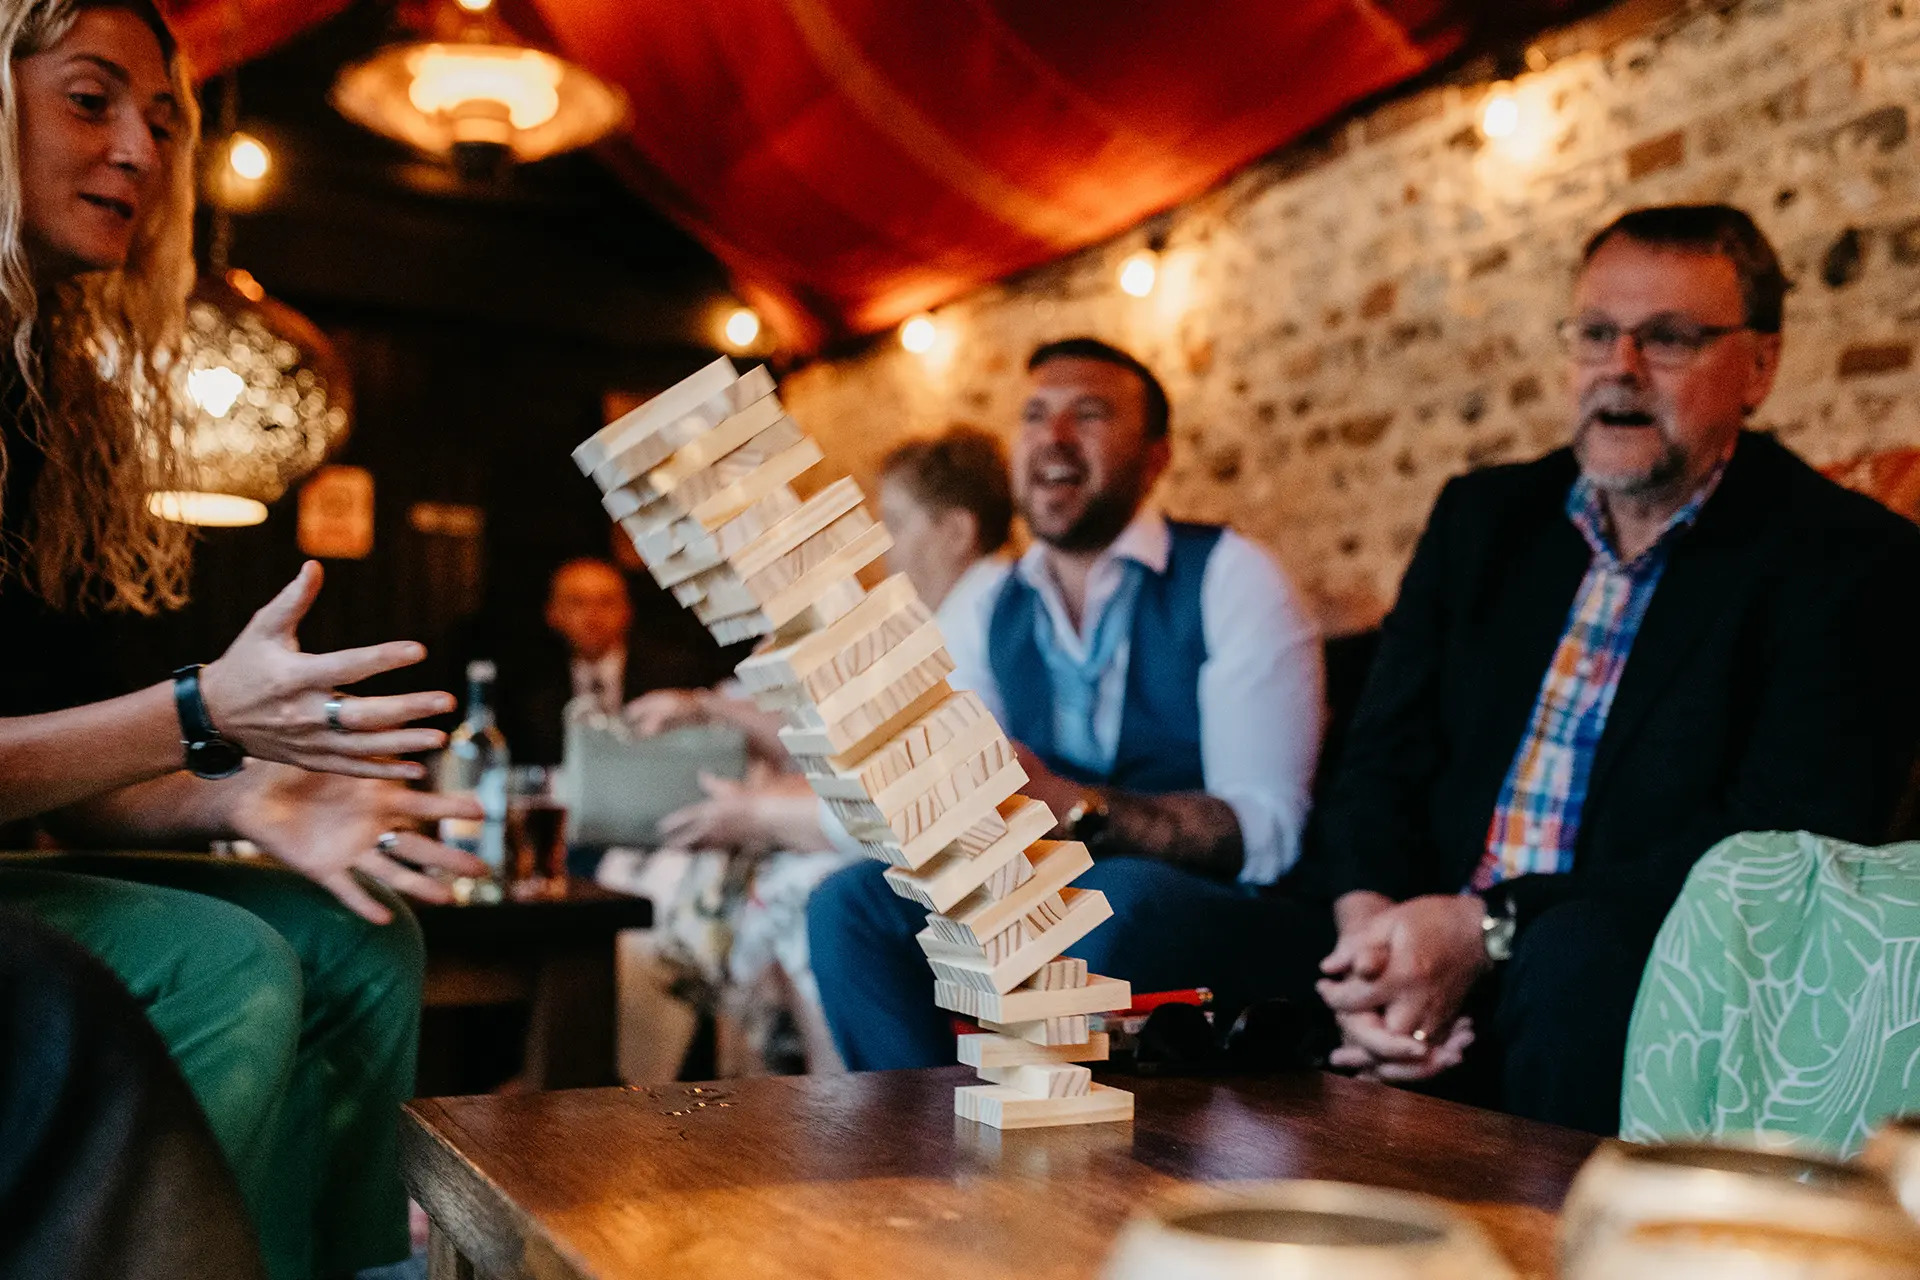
[[537, 836]]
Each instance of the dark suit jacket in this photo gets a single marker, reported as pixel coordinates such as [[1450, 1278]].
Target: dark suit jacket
[[1774, 684]]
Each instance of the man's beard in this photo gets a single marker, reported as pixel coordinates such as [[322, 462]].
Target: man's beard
[[1099, 523], [1609, 404]]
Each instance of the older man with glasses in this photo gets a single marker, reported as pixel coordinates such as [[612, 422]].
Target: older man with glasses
[[1601, 663]]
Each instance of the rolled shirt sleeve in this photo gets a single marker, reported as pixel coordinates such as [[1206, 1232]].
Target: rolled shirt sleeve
[[1262, 703]]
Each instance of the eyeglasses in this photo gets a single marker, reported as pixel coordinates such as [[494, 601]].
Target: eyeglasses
[[1667, 342]]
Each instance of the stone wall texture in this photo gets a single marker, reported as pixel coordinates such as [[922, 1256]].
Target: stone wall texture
[[1348, 323]]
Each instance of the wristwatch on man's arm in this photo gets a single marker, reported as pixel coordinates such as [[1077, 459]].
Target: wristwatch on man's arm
[[1499, 924], [1088, 819], [209, 755]]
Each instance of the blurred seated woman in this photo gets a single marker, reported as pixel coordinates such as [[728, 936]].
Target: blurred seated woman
[[292, 1017]]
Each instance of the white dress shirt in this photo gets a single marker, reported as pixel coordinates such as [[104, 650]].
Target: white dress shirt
[[602, 680], [1261, 688]]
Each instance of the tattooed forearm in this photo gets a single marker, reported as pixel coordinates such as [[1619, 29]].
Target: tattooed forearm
[[1189, 829]]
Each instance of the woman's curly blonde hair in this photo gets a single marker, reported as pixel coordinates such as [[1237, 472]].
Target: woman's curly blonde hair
[[90, 359]]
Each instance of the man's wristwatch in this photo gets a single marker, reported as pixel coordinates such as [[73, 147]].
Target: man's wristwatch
[[209, 755], [1087, 820], [1498, 926]]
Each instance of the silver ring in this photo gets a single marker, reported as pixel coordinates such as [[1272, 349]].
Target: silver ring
[[1420, 1034], [388, 843], [334, 701]]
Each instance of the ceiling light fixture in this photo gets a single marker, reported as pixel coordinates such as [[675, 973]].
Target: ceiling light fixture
[[478, 97]]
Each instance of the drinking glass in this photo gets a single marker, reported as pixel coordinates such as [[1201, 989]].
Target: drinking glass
[[536, 834], [1302, 1231], [1739, 1212]]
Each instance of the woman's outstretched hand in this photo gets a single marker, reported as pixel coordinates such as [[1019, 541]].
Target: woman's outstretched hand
[[266, 695]]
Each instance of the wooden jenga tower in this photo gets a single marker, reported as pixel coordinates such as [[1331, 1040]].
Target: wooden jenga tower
[[922, 776]]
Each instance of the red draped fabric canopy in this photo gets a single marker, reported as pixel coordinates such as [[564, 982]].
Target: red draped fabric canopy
[[854, 161]]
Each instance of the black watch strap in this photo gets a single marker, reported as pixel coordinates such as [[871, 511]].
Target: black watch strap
[[208, 754]]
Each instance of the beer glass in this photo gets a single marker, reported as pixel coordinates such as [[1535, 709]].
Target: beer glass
[[536, 834]]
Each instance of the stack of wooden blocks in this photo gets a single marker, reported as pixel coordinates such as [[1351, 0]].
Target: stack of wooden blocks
[[701, 478]]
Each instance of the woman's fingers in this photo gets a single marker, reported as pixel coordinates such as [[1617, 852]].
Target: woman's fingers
[[357, 900], [280, 617], [1366, 1031], [394, 742], [425, 851], [403, 879], [431, 806], [351, 666], [355, 767], [363, 715]]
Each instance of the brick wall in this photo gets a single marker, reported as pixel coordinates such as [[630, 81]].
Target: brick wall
[[1347, 323]]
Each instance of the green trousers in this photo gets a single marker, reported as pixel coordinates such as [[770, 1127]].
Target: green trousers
[[294, 1021]]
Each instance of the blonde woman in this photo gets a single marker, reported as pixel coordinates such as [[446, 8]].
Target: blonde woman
[[293, 1017]]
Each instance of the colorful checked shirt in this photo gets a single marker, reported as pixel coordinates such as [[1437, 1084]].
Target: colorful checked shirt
[[1537, 819]]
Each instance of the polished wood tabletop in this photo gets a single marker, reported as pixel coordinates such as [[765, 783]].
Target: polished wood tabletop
[[872, 1175]]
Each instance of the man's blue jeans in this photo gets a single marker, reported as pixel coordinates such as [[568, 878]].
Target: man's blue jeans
[[1170, 930]]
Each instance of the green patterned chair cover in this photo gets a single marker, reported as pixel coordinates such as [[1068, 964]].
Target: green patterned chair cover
[[1782, 996]]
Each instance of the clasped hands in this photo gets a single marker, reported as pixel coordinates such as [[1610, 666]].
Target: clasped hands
[[1397, 980]]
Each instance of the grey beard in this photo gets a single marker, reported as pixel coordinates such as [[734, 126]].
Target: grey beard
[[1667, 470]]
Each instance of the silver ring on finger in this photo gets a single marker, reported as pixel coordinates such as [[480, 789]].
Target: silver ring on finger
[[1420, 1034], [388, 843], [335, 701]]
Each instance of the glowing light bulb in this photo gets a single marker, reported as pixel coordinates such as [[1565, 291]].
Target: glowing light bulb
[[249, 157], [1138, 273], [523, 82], [215, 389], [214, 510], [918, 334], [1500, 118], [743, 326], [476, 6]]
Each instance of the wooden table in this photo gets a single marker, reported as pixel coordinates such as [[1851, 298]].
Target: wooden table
[[872, 1175], [555, 955]]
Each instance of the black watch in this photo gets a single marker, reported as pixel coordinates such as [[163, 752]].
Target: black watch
[[209, 755], [1088, 819]]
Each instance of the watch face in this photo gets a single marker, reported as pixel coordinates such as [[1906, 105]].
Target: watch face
[[215, 759]]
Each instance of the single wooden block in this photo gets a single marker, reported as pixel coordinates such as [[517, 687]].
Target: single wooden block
[[814, 515], [1061, 974], [990, 1050], [1004, 1107], [1028, 1004], [1042, 1080], [976, 811], [683, 397], [866, 728], [1056, 864], [659, 537], [678, 489], [820, 662], [724, 504], [1069, 1031], [1013, 957], [929, 743], [648, 437], [762, 580], [751, 426], [919, 799], [820, 579], [956, 873]]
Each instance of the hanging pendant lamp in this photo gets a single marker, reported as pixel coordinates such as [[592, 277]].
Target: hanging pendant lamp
[[477, 97]]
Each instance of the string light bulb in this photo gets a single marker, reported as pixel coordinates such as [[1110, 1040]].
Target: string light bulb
[[476, 6], [1500, 117], [1138, 272], [919, 334], [743, 326], [248, 157]]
